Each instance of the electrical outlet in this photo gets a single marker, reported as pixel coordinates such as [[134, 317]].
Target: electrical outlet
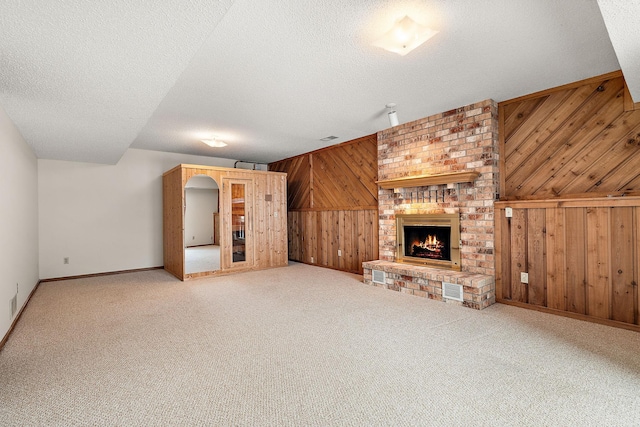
[[311, 260], [524, 277], [339, 252], [65, 260], [508, 212]]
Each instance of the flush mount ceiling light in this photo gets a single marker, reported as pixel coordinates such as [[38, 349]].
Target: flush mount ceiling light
[[405, 35], [214, 142]]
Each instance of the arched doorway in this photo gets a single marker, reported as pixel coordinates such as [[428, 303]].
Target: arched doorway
[[201, 225]]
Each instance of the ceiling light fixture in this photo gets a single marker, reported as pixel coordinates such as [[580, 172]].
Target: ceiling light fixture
[[393, 114], [214, 142], [405, 35]]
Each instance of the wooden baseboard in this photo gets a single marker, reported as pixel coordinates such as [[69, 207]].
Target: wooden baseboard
[[109, 273], [328, 266], [15, 320], [576, 316]]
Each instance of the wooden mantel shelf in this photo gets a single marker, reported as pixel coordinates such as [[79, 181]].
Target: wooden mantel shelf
[[426, 180]]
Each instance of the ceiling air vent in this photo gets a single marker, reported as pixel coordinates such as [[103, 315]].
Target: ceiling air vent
[[378, 276], [329, 138], [452, 291]]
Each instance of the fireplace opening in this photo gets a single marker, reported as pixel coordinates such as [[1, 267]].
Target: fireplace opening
[[432, 240], [428, 242]]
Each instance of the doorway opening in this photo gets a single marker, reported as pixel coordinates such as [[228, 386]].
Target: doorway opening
[[201, 225]]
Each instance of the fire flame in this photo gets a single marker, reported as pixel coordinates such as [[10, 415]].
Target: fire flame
[[430, 242]]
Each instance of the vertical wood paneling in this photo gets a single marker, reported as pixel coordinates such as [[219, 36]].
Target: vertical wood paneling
[[587, 254], [555, 261], [503, 255], [518, 254], [598, 263], [622, 265], [294, 219], [536, 256], [575, 259], [309, 230], [320, 234]]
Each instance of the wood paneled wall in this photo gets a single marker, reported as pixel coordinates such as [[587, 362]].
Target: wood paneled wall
[[582, 256], [576, 139], [315, 237], [568, 155], [333, 205]]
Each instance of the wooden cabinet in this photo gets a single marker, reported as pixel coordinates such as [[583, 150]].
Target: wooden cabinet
[[251, 227]]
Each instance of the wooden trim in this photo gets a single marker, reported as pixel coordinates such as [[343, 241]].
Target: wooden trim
[[426, 180], [502, 164], [610, 195], [359, 273], [311, 180], [348, 208], [570, 203], [219, 169], [15, 320], [108, 273], [607, 76], [571, 315]]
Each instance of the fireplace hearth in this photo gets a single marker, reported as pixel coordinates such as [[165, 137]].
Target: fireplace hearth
[[431, 240]]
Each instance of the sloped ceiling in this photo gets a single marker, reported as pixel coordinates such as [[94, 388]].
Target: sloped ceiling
[[85, 80], [622, 18]]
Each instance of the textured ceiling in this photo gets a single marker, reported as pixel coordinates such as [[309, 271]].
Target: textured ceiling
[[86, 80]]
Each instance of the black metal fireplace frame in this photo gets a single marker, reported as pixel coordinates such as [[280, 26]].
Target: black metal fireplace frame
[[429, 220]]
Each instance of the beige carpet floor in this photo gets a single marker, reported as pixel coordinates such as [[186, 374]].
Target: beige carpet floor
[[303, 346], [199, 259]]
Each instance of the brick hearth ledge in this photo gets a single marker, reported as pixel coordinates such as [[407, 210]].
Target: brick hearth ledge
[[479, 290]]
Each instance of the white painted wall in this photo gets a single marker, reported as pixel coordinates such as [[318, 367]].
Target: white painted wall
[[198, 218], [105, 217], [18, 219]]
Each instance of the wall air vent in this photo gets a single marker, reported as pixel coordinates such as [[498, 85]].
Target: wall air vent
[[452, 291], [378, 276]]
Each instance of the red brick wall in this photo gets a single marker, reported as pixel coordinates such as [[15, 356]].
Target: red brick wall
[[464, 139]]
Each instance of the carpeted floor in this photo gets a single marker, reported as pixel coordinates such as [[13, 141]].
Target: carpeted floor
[[303, 346], [199, 259]]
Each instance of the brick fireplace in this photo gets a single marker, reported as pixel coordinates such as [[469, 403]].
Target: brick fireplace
[[451, 143]]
